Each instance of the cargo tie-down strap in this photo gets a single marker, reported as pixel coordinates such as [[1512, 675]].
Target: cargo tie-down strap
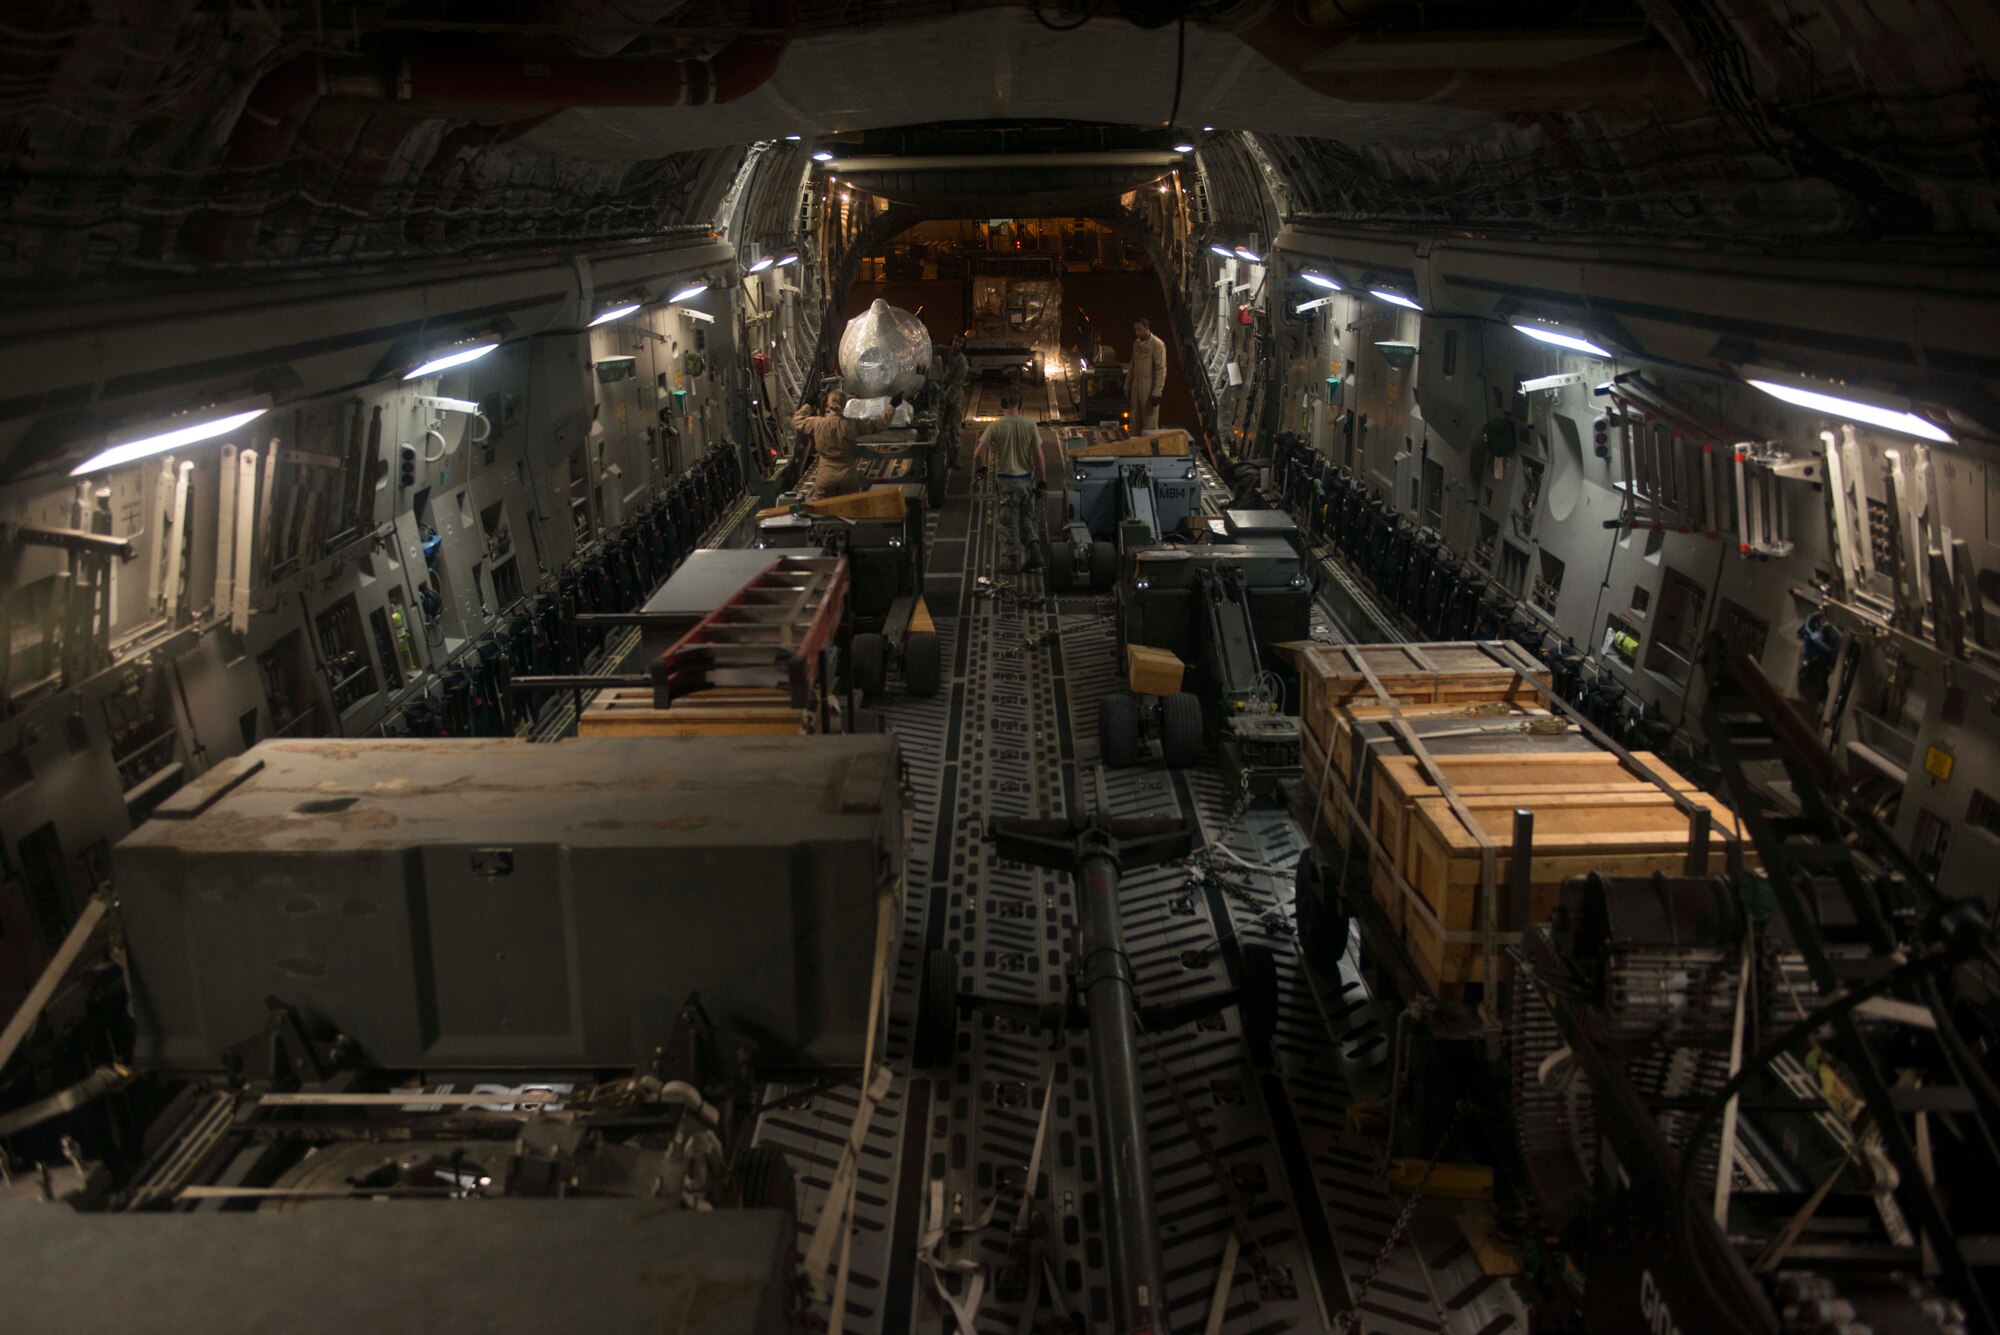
[[840, 1193], [964, 1308]]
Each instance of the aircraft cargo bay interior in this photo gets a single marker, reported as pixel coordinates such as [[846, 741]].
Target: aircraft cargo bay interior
[[749, 667]]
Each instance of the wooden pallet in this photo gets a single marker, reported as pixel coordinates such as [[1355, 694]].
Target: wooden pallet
[[630, 712]]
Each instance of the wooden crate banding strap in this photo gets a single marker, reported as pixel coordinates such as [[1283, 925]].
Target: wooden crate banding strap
[[1511, 655], [1489, 856]]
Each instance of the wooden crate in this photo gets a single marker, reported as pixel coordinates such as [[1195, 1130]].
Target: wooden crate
[[1621, 833], [1152, 671], [628, 711], [1331, 677], [1312, 767], [1171, 442], [1423, 719], [1399, 783]]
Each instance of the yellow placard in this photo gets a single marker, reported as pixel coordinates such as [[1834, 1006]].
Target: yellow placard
[[1937, 763]]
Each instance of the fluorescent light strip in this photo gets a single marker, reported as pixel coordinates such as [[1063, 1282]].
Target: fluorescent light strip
[[1249, 255], [1321, 280], [164, 441], [1393, 298], [615, 313], [1889, 419], [689, 293], [822, 156], [1183, 148], [1569, 341], [1224, 251], [451, 359], [761, 265], [789, 259]]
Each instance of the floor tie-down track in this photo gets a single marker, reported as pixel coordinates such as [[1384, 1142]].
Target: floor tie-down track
[[1014, 735]]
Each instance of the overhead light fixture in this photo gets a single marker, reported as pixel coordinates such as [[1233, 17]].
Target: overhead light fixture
[[689, 293], [1249, 255], [1393, 298], [1321, 280], [159, 442], [1163, 190], [615, 313], [1854, 410], [1208, 129], [822, 155], [1183, 148], [1224, 251], [457, 357], [761, 265], [1561, 340], [789, 259], [794, 138]]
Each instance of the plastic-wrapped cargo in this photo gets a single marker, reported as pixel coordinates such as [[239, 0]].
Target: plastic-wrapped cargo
[[884, 351], [1029, 308]]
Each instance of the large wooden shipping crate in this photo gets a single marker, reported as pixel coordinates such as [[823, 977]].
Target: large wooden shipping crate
[[1497, 746], [1622, 832], [1332, 676]]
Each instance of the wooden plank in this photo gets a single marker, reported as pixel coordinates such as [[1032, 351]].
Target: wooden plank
[[1158, 444], [874, 503]]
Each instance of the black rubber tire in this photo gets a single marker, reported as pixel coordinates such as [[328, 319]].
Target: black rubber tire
[[912, 581], [868, 658], [1062, 565], [765, 1180], [923, 664], [1322, 915], [937, 1011], [1180, 729], [1259, 1004], [1103, 566], [940, 477], [1118, 731]]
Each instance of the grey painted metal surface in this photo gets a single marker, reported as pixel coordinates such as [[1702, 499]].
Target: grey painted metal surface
[[1014, 734], [452, 902], [336, 1267]]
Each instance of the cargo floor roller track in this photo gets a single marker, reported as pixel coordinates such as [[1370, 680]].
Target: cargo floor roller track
[[1014, 733]]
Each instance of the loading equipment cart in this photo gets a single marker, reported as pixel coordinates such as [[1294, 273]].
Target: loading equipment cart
[[1219, 605], [1121, 495], [881, 532]]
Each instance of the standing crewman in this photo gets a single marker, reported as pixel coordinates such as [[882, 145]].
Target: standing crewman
[[951, 386], [1014, 447], [833, 438], [1146, 379]]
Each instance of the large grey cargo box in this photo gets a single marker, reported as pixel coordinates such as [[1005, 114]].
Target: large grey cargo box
[[499, 903], [399, 1268]]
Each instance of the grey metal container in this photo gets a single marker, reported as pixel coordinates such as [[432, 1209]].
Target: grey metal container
[[497, 903]]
